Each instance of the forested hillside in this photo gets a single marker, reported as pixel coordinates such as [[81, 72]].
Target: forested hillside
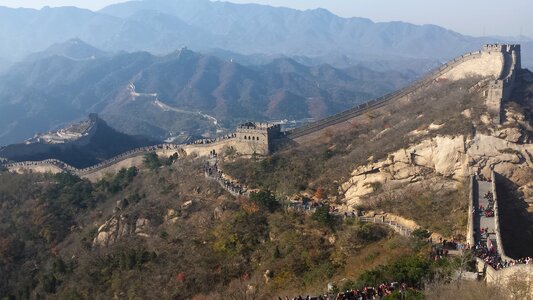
[[185, 238]]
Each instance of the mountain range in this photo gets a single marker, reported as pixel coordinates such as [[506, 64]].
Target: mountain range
[[246, 62], [183, 92], [161, 26]]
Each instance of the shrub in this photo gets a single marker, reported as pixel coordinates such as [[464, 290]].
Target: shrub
[[421, 233], [412, 270], [370, 233], [151, 161], [266, 200], [323, 216], [120, 181]]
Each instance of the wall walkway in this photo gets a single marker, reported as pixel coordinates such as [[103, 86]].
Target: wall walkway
[[505, 274]]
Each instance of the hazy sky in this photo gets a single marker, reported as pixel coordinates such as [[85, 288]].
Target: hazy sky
[[473, 17]]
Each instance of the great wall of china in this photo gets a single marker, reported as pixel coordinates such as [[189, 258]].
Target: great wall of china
[[476, 223], [497, 64]]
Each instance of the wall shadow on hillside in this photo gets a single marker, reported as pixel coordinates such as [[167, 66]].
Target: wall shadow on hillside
[[515, 222]]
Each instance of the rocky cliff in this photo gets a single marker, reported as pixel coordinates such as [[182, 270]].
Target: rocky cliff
[[449, 159]]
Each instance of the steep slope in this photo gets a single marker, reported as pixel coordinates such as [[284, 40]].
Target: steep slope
[[411, 158], [63, 237], [127, 91]]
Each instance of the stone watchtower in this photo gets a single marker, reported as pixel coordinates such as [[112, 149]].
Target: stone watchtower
[[254, 137], [499, 90]]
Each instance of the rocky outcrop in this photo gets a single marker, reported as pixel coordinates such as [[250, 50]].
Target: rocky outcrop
[[120, 226], [454, 157], [172, 216]]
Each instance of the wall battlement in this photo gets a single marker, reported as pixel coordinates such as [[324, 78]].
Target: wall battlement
[[501, 48]]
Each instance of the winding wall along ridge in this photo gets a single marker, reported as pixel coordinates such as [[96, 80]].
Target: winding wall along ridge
[[85, 171], [381, 101], [505, 80]]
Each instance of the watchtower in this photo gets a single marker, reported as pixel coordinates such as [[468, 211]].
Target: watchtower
[[256, 137], [499, 91]]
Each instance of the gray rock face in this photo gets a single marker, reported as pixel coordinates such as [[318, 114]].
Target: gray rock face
[[118, 227], [454, 157]]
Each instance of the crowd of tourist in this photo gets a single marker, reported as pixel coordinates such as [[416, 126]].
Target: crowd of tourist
[[487, 211], [366, 293], [489, 254], [212, 171], [491, 257], [307, 206]]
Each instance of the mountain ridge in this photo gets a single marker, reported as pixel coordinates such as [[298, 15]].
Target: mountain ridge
[[164, 25], [45, 93]]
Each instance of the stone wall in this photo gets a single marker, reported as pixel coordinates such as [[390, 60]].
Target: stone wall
[[57, 166], [382, 101], [516, 280], [260, 144], [485, 64], [205, 149], [498, 62], [501, 248]]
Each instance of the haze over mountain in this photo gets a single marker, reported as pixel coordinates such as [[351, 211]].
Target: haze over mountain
[[74, 49], [271, 64], [183, 92], [161, 26]]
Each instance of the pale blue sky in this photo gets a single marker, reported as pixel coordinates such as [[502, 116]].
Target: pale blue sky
[[473, 17]]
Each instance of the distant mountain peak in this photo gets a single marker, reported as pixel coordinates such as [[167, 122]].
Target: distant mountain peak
[[69, 133], [74, 48]]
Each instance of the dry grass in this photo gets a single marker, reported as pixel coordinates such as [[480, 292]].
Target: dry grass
[[329, 163], [380, 253], [442, 211]]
